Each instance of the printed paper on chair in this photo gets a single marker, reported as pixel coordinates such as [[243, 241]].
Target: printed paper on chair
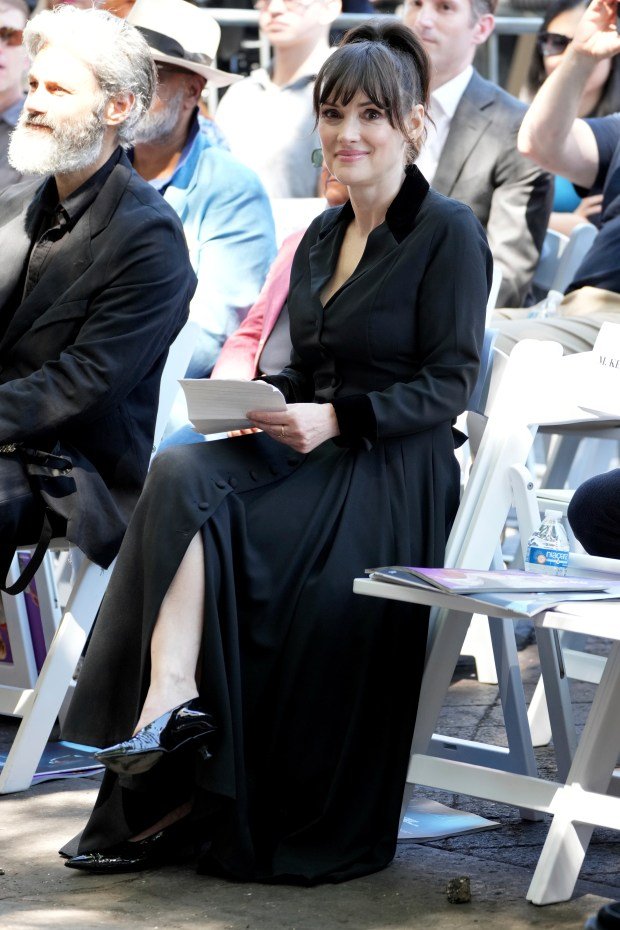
[[600, 392]]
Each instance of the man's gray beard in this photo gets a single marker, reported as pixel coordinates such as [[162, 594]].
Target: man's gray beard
[[157, 127], [70, 146]]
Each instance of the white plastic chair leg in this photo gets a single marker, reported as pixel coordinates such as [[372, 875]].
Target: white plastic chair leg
[[478, 644], [44, 702], [538, 716], [593, 765]]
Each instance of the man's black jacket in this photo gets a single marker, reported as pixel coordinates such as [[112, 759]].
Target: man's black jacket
[[81, 359]]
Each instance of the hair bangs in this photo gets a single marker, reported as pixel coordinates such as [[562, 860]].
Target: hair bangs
[[354, 69]]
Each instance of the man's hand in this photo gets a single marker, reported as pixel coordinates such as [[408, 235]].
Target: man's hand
[[303, 427], [596, 35], [589, 206]]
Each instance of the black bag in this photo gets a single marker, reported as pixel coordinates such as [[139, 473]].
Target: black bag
[[24, 475]]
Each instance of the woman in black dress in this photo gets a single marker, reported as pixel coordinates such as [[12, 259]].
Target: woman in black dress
[[232, 595]]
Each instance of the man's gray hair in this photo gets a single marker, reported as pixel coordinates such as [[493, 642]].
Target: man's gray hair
[[113, 49]]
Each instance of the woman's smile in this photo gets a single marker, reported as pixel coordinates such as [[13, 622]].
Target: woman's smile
[[350, 155]]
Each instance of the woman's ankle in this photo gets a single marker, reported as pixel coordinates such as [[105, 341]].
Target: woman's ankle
[[173, 817], [163, 699]]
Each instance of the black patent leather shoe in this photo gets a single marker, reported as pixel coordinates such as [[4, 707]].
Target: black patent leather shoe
[[178, 727], [149, 853]]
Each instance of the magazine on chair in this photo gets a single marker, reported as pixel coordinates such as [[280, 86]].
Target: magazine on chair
[[475, 581], [522, 594]]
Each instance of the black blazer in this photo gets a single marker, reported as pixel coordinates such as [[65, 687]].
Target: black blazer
[[396, 349], [81, 359]]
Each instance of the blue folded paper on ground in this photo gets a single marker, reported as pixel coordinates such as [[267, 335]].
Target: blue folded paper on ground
[[64, 760], [427, 820]]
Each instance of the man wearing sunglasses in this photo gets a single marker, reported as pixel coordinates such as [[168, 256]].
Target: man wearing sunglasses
[[13, 65], [587, 152], [471, 148]]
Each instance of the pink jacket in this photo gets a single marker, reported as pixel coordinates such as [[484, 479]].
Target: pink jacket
[[242, 349]]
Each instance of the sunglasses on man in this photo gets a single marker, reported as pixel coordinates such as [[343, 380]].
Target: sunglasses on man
[[552, 43], [10, 36]]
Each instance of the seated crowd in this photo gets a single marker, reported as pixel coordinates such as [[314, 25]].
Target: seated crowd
[[126, 208]]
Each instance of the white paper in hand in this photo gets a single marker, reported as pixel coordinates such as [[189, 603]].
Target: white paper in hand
[[216, 406]]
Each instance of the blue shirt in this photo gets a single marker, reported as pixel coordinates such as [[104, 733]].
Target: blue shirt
[[228, 226], [565, 197]]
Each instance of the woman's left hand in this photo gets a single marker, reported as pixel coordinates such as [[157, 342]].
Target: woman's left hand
[[303, 427]]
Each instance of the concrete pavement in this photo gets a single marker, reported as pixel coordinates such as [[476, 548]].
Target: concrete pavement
[[36, 891]]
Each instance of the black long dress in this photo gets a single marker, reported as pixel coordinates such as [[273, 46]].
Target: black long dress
[[315, 689]]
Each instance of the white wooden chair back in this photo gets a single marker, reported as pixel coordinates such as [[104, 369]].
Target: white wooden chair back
[[574, 252], [554, 245], [290, 214], [487, 497], [496, 283], [178, 360], [561, 256]]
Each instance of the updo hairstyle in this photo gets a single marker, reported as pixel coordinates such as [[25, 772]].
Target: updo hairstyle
[[385, 61]]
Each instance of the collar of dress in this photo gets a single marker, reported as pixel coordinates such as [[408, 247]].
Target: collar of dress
[[402, 212]]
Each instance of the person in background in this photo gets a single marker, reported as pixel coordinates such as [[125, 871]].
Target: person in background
[[95, 284], [601, 96], [594, 514], [13, 66], [471, 150], [224, 209], [262, 344], [231, 661], [268, 117], [587, 151]]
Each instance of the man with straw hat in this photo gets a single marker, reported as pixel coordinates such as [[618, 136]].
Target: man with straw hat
[[223, 207]]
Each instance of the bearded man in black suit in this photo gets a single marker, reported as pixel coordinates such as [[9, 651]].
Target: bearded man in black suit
[[95, 283]]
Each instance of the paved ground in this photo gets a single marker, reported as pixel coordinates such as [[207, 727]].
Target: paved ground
[[36, 891]]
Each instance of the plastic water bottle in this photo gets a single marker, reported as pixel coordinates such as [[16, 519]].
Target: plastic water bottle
[[608, 918], [548, 306], [548, 549]]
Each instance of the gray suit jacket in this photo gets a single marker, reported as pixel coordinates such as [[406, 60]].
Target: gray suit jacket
[[511, 196]]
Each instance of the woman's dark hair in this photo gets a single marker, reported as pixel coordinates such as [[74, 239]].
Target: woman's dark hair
[[609, 101], [385, 61]]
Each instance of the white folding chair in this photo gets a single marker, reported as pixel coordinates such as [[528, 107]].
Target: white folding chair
[[589, 795], [560, 258], [553, 246], [572, 255], [473, 543], [496, 283], [473, 768], [577, 664], [291, 214], [40, 702], [571, 447]]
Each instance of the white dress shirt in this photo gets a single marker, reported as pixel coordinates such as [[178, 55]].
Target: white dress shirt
[[443, 104]]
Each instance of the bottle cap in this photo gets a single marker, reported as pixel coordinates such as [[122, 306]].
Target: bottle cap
[[556, 514]]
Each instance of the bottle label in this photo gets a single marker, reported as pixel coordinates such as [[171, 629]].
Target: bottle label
[[548, 558]]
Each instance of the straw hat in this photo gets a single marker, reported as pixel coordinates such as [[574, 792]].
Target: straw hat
[[181, 34]]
